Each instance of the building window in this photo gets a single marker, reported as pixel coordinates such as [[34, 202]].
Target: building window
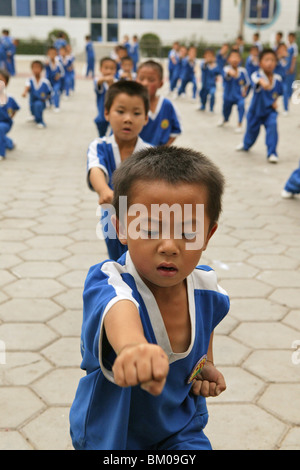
[[97, 32], [163, 10], [41, 7], [112, 32], [180, 9], [128, 9], [112, 9], [5, 8], [214, 10], [261, 12], [96, 9], [78, 8], [58, 8], [23, 7], [197, 9], [146, 9]]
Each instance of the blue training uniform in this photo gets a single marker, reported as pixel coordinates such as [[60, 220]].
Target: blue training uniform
[[282, 68], [261, 112], [7, 111], [293, 183], [107, 417], [100, 121], [233, 92], [55, 74], [163, 124], [90, 58], [39, 93], [291, 77], [209, 74], [187, 75], [104, 153]]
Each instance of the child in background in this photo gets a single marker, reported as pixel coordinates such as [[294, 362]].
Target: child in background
[[90, 57], [292, 185], [39, 90], [182, 53], [209, 75], [67, 63], [134, 52], [257, 42], [108, 69], [163, 120], [293, 55], [126, 71], [282, 68], [262, 110], [235, 83], [55, 74], [149, 319], [222, 55], [71, 68], [126, 109], [8, 109], [120, 52], [187, 74], [173, 57], [252, 62]]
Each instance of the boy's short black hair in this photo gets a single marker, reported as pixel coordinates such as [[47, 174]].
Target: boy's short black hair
[[234, 50], [37, 62], [5, 75], [267, 51], [154, 65], [128, 87], [127, 58], [172, 165], [106, 59], [209, 50]]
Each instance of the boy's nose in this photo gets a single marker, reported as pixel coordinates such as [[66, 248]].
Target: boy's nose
[[168, 247]]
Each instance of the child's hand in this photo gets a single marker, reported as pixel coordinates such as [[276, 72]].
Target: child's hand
[[264, 84], [209, 383], [145, 364], [106, 196]]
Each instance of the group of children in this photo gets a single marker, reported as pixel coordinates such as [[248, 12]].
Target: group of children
[[8, 46]]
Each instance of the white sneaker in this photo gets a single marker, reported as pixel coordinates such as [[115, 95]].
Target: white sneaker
[[238, 130], [1, 158], [40, 126], [240, 147], [221, 123], [286, 195], [273, 159], [56, 110], [285, 113], [30, 119]]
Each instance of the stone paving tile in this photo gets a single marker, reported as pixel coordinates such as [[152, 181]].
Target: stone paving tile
[[48, 242]]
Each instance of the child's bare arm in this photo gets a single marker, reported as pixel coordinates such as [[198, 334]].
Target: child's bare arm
[[98, 181], [137, 362], [26, 90]]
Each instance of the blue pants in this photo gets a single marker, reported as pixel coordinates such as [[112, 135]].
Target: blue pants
[[184, 83], [56, 93], [253, 127], [114, 246], [227, 108], [90, 67], [102, 126], [37, 109], [293, 183], [174, 79], [204, 93], [4, 129], [290, 78]]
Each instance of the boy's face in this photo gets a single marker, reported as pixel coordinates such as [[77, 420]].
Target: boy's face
[[149, 77], [281, 52], [234, 59], [108, 68], [209, 57], [127, 65], [52, 54], [163, 259], [127, 117], [36, 70], [268, 63]]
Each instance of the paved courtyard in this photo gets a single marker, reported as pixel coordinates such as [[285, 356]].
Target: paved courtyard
[[48, 241]]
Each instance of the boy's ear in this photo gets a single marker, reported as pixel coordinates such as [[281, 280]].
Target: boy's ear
[[209, 235], [106, 114], [120, 229]]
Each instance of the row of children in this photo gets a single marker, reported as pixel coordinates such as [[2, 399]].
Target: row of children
[[126, 49], [44, 90], [8, 46]]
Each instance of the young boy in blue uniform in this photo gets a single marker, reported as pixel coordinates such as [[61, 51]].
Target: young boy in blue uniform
[[90, 57], [8, 109], [67, 63], [108, 68], [149, 318], [173, 58], [163, 120], [55, 74], [126, 108], [209, 75], [182, 53], [292, 186], [187, 74], [40, 91], [293, 52], [282, 69], [262, 109], [235, 83], [252, 62]]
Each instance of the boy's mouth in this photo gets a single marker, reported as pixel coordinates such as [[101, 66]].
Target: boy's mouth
[[167, 269]]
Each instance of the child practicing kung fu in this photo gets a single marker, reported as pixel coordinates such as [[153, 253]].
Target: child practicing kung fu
[[149, 318]]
